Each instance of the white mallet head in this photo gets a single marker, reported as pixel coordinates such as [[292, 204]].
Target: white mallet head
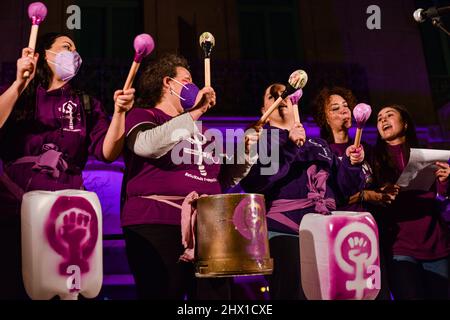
[[207, 42]]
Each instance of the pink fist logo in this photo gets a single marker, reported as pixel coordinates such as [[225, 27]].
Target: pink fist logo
[[72, 231], [248, 220], [356, 250]]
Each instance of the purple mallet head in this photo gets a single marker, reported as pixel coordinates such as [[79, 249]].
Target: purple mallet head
[[362, 112], [143, 45], [295, 97], [37, 11]]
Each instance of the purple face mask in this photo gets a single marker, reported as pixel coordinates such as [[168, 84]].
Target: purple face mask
[[187, 95], [67, 64]]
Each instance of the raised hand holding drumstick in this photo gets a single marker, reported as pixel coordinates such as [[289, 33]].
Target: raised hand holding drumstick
[[124, 100], [207, 42], [297, 80], [361, 113], [37, 11], [143, 46], [295, 97]]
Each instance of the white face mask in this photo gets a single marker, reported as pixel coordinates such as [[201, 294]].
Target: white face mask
[[173, 92], [67, 64]]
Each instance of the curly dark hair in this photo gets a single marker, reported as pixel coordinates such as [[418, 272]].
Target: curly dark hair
[[319, 104], [383, 167], [150, 86]]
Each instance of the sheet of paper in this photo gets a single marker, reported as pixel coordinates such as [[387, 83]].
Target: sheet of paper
[[419, 172]]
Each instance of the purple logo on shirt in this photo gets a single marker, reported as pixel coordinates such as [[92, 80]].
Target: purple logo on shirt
[[198, 140], [211, 147], [72, 231], [71, 116]]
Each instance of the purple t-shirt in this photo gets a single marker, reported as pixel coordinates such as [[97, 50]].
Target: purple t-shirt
[[416, 226], [60, 122], [163, 177]]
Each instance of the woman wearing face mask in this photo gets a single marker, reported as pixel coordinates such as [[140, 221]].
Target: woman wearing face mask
[[47, 131], [418, 237], [306, 178], [160, 132], [333, 113]]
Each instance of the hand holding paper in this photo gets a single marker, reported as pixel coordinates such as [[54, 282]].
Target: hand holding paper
[[422, 169]]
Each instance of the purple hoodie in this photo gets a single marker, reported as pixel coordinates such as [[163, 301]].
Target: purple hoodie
[[290, 182], [339, 150]]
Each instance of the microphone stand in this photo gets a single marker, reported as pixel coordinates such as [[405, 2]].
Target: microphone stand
[[438, 24]]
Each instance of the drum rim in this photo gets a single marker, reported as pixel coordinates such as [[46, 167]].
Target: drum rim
[[231, 194], [63, 192]]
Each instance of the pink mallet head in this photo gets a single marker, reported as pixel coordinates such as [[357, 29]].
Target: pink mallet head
[[362, 112], [143, 45], [295, 97], [37, 11]]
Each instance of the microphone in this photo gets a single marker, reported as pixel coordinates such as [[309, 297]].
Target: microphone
[[421, 15]]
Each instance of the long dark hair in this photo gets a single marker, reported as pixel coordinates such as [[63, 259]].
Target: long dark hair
[[26, 103], [384, 168], [150, 86], [320, 103]]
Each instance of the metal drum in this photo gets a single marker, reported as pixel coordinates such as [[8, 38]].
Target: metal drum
[[232, 236]]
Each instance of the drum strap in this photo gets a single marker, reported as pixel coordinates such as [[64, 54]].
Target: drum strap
[[50, 162], [316, 197], [165, 199], [188, 220], [188, 223]]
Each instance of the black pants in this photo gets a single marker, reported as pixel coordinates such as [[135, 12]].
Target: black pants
[[384, 293], [153, 253], [11, 282], [284, 283], [410, 280]]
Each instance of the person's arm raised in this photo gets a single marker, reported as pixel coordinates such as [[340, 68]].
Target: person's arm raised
[[9, 98]]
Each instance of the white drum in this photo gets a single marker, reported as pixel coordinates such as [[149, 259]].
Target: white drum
[[61, 244]]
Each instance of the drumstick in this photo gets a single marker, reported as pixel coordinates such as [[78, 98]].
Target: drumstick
[[207, 42], [37, 11], [297, 80], [361, 112], [143, 46], [295, 97]]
